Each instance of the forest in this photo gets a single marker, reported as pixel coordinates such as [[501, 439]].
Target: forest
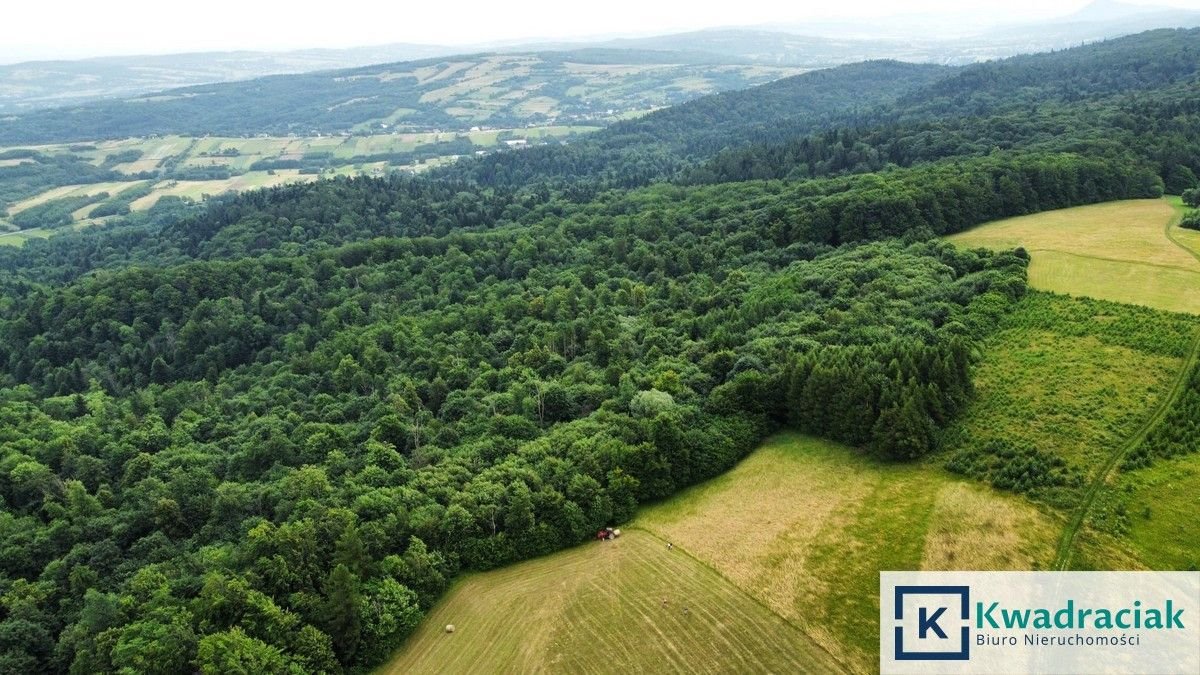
[[266, 433]]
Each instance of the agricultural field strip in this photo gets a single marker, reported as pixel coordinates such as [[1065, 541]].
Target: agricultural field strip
[[610, 598], [1062, 557], [732, 584], [187, 151]]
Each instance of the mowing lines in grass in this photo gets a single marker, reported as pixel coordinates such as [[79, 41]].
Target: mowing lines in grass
[[599, 608]]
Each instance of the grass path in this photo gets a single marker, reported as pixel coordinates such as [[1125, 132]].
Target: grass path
[[1062, 558]]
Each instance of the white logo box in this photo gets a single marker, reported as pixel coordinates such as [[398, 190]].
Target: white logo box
[[1061, 623]]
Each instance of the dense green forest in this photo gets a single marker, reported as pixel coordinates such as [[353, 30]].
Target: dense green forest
[[421, 406], [266, 433]]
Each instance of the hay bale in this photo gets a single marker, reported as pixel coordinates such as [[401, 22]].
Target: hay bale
[[449, 628]]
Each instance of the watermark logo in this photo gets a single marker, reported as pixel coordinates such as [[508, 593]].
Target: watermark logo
[[932, 623], [1065, 623]]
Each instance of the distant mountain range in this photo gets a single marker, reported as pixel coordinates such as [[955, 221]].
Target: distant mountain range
[[944, 39]]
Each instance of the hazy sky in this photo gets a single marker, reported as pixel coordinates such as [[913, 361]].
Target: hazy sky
[[74, 28]]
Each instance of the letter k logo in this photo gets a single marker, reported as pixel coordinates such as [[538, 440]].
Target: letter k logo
[[925, 623], [937, 626]]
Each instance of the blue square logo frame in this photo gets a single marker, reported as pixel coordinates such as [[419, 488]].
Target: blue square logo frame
[[964, 653]]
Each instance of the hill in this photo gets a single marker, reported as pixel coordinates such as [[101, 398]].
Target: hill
[[1066, 100], [34, 84], [450, 93], [661, 144], [814, 125]]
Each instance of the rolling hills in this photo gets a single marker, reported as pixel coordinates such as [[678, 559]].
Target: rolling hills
[[451, 93], [276, 428]]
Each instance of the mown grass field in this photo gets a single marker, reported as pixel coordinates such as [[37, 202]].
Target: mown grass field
[[792, 538], [1116, 251], [806, 526], [598, 608]]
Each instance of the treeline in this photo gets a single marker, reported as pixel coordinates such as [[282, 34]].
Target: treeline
[[1161, 130], [949, 197]]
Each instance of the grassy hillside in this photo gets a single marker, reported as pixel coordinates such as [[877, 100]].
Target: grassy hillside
[[1158, 507], [806, 525], [803, 526], [1061, 384], [1117, 251], [599, 608]]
